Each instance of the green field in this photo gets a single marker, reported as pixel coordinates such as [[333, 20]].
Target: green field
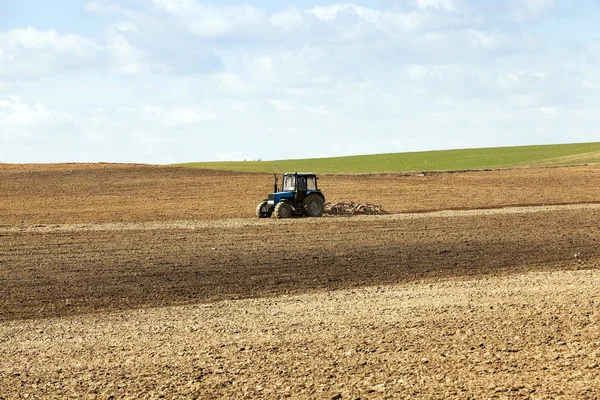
[[444, 160]]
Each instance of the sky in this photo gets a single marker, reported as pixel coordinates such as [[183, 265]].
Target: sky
[[168, 81]]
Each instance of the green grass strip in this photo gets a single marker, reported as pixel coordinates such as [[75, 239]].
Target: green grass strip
[[444, 160]]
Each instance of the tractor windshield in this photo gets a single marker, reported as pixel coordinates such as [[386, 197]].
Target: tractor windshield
[[289, 183], [305, 182]]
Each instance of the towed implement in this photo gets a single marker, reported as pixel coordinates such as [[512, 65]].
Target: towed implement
[[298, 195]]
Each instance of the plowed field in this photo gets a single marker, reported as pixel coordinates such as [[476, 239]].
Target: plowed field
[[141, 281]]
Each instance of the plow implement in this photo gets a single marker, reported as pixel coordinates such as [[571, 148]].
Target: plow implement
[[351, 208]]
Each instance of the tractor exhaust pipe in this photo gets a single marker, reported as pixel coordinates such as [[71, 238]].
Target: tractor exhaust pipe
[[275, 184]]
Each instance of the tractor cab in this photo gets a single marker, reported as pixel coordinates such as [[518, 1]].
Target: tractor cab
[[299, 182], [298, 195]]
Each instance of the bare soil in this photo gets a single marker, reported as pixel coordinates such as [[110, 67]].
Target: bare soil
[[92, 193], [140, 281]]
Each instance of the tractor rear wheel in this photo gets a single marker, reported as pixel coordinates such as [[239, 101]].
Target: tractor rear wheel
[[283, 209], [259, 210], [313, 205]]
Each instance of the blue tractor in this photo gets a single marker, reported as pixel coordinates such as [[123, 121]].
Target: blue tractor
[[298, 195]]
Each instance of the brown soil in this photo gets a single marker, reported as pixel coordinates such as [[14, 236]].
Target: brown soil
[[534, 336], [92, 193], [475, 303]]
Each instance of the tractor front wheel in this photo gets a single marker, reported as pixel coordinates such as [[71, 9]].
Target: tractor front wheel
[[283, 209], [313, 205], [259, 210]]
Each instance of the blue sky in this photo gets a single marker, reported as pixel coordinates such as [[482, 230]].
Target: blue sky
[[164, 81]]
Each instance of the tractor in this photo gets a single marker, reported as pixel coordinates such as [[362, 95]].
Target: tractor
[[298, 195]]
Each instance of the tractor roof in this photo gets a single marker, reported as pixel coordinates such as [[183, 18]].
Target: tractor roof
[[300, 173]]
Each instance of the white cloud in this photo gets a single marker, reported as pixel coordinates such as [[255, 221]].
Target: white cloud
[[516, 80], [288, 19], [531, 10], [135, 50], [329, 13], [15, 113], [181, 77], [104, 6], [233, 83], [188, 116], [332, 12], [417, 71], [175, 6], [320, 25], [31, 51], [487, 41], [169, 16], [500, 44], [539, 6], [99, 137], [525, 100], [281, 105], [448, 5], [126, 58], [321, 109], [181, 116], [552, 111], [261, 68], [34, 39], [31, 129], [590, 85], [409, 21], [5, 86], [212, 21]]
